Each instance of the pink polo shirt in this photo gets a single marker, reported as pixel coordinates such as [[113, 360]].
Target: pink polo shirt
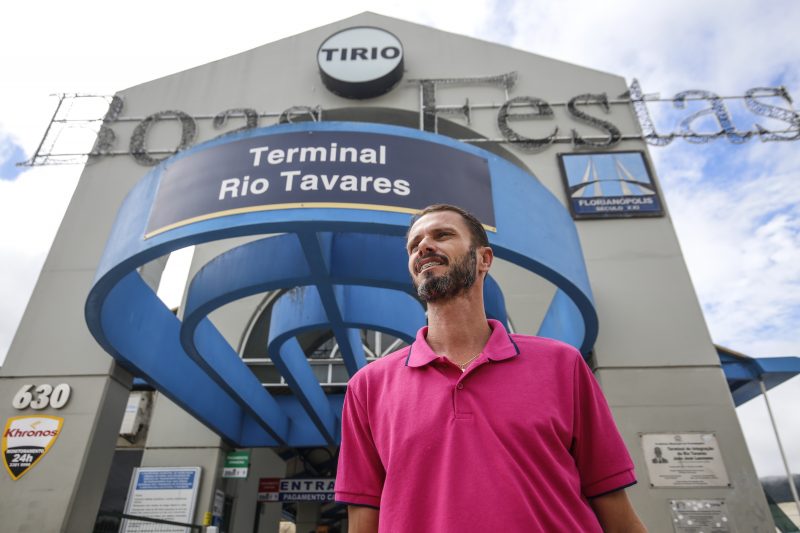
[[517, 443]]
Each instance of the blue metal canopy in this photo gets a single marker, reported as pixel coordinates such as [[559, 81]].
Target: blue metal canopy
[[341, 265], [744, 373]]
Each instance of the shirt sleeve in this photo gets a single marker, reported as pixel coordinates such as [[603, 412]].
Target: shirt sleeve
[[360, 475], [602, 459]]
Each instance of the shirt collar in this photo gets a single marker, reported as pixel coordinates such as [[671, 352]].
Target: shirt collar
[[500, 346]]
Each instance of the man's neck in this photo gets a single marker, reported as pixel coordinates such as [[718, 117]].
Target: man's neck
[[457, 328]]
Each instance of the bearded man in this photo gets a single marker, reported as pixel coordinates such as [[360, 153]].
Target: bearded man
[[472, 429]]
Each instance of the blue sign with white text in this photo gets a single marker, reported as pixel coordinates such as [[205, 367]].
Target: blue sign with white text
[[319, 169], [165, 480]]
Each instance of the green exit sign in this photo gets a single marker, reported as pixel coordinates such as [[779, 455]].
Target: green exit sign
[[236, 464]]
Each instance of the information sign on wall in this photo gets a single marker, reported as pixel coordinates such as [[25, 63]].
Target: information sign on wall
[[167, 493], [684, 460], [699, 516]]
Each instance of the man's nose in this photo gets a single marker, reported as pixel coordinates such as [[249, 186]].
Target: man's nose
[[426, 245]]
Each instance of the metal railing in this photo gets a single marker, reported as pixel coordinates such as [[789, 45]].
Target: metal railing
[[112, 521]]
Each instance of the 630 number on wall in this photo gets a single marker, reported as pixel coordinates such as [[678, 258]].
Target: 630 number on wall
[[41, 396]]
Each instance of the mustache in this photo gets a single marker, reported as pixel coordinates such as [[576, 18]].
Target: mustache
[[420, 260]]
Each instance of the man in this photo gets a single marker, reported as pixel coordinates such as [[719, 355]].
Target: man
[[473, 429], [659, 458]]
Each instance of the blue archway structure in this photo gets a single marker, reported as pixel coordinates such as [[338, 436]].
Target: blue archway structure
[[343, 266]]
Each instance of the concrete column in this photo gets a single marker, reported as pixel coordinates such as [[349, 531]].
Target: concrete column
[[307, 517], [177, 439], [52, 346], [264, 462], [62, 491], [658, 367]]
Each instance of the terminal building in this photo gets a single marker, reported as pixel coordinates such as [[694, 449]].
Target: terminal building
[[293, 169]]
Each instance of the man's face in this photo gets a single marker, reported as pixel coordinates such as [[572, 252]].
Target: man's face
[[441, 257]]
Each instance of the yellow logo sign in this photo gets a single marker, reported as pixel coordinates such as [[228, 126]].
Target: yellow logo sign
[[26, 439]]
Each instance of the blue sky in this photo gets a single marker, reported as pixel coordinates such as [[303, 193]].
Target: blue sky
[[736, 208], [10, 154]]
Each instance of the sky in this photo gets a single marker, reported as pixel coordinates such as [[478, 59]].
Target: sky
[[736, 207]]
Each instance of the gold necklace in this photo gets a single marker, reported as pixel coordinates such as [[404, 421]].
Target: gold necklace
[[463, 366]]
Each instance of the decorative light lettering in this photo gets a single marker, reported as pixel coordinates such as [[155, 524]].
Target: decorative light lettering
[[428, 86], [542, 110], [717, 109], [771, 111], [614, 134], [138, 145], [301, 113], [250, 117], [509, 110], [649, 132], [106, 138]]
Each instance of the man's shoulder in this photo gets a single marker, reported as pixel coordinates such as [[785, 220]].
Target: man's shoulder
[[543, 353], [543, 345]]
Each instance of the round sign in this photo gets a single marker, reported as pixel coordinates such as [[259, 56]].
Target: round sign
[[361, 62]]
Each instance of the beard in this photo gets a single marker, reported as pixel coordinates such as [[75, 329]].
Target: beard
[[459, 277]]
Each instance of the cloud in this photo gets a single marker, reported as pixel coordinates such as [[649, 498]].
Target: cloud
[[31, 208], [737, 213], [11, 153], [736, 209], [670, 46], [760, 435], [738, 218]]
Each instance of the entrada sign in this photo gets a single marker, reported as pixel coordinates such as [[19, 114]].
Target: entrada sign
[[272, 489]]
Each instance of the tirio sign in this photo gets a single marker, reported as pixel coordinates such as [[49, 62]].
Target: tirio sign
[[361, 62]]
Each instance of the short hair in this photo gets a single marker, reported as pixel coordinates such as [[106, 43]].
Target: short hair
[[479, 237]]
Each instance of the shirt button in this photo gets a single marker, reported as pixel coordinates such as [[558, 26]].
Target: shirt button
[[460, 386]]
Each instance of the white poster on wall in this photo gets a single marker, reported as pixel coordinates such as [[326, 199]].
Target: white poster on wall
[[164, 493], [684, 460], [699, 516]]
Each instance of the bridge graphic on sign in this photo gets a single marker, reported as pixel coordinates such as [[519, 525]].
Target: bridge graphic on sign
[[619, 180], [609, 184]]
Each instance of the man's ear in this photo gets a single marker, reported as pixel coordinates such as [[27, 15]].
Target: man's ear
[[485, 258]]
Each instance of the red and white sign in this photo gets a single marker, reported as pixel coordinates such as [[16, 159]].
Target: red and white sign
[[26, 439], [269, 489]]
